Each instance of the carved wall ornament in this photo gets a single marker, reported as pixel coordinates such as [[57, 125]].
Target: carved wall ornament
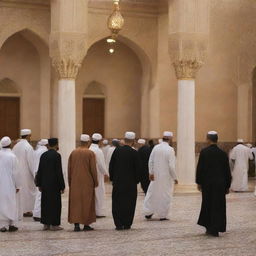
[[187, 69], [66, 68], [67, 51]]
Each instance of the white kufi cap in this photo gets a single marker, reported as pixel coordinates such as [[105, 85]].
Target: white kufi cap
[[43, 142], [85, 137], [96, 137], [240, 141], [130, 135], [5, 142], [168, 134], [212, 133], [142, 141], [25, 132], [105, 142]]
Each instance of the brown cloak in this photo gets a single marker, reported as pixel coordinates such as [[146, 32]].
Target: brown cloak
[[82, 179]]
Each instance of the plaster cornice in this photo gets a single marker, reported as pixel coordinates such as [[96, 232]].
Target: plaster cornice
[[142, 8], [36, 4]]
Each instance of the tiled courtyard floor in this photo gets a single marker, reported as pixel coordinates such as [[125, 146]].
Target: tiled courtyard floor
[[179, 236]]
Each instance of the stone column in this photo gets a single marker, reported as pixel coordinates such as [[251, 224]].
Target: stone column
[[185, 72], [68, 47], [67, 70], [188, 41]]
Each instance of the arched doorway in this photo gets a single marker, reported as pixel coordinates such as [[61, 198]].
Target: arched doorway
[[121, 73], [9, 109], [94, 109], [24, 57]]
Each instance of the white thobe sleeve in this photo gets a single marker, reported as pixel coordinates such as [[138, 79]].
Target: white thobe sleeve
[[101, 164], [31, 160], [232, 154], [172, 161], [151, 162], [16, 174]]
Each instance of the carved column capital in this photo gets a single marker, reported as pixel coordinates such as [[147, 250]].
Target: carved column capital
[[67, 50], [186, 69], [66, 68]]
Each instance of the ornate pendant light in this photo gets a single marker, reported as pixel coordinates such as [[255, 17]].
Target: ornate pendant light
[[115, 20]]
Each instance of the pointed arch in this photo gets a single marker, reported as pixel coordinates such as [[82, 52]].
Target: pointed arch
[[10, 30], [94, 89], [9, 88], [147, 78]]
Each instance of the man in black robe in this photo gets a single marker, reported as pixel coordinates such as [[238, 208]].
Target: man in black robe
[[144, 154], [214, 179], [124, 171], [51, 183]]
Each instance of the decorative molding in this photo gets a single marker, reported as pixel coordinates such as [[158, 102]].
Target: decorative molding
[[15, 95], [66, 68], [186, 69], [26, 4], [67, 50], [130, 8]]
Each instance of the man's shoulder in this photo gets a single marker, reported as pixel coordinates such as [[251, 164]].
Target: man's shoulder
[[87, 151], [8, 153], [211, 149], [51, 153], [158, 146], [46, 153]]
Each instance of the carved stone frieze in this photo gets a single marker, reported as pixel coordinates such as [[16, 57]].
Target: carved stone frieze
[[188, 52], [66, 68], [186, 69]]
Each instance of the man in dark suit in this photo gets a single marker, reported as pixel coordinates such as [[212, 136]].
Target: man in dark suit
[[124, 172], [213, 177], [51, 183]]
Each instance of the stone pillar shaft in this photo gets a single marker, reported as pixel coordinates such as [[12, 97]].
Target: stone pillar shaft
[[186, 132], [186, 71], [66, 118]]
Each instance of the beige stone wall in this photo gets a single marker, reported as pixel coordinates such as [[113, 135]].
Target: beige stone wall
[[228, 66], [227, 71], [19, 61], [166, 80], [121, 76]]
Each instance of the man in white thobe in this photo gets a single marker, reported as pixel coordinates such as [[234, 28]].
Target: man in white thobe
[[162, 175], [9, 187], [25, 154], [240, 156], [41, 148], [101, 173], [115, 143], [105, 148]]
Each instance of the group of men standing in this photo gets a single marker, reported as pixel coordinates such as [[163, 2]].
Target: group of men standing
[[125, 167], [90, 165], [18, 170]]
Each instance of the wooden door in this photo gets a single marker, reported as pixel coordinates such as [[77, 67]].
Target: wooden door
[[9, 117], [93, 116]]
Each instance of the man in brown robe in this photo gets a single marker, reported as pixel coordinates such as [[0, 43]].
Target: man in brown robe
[[82, 178]]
